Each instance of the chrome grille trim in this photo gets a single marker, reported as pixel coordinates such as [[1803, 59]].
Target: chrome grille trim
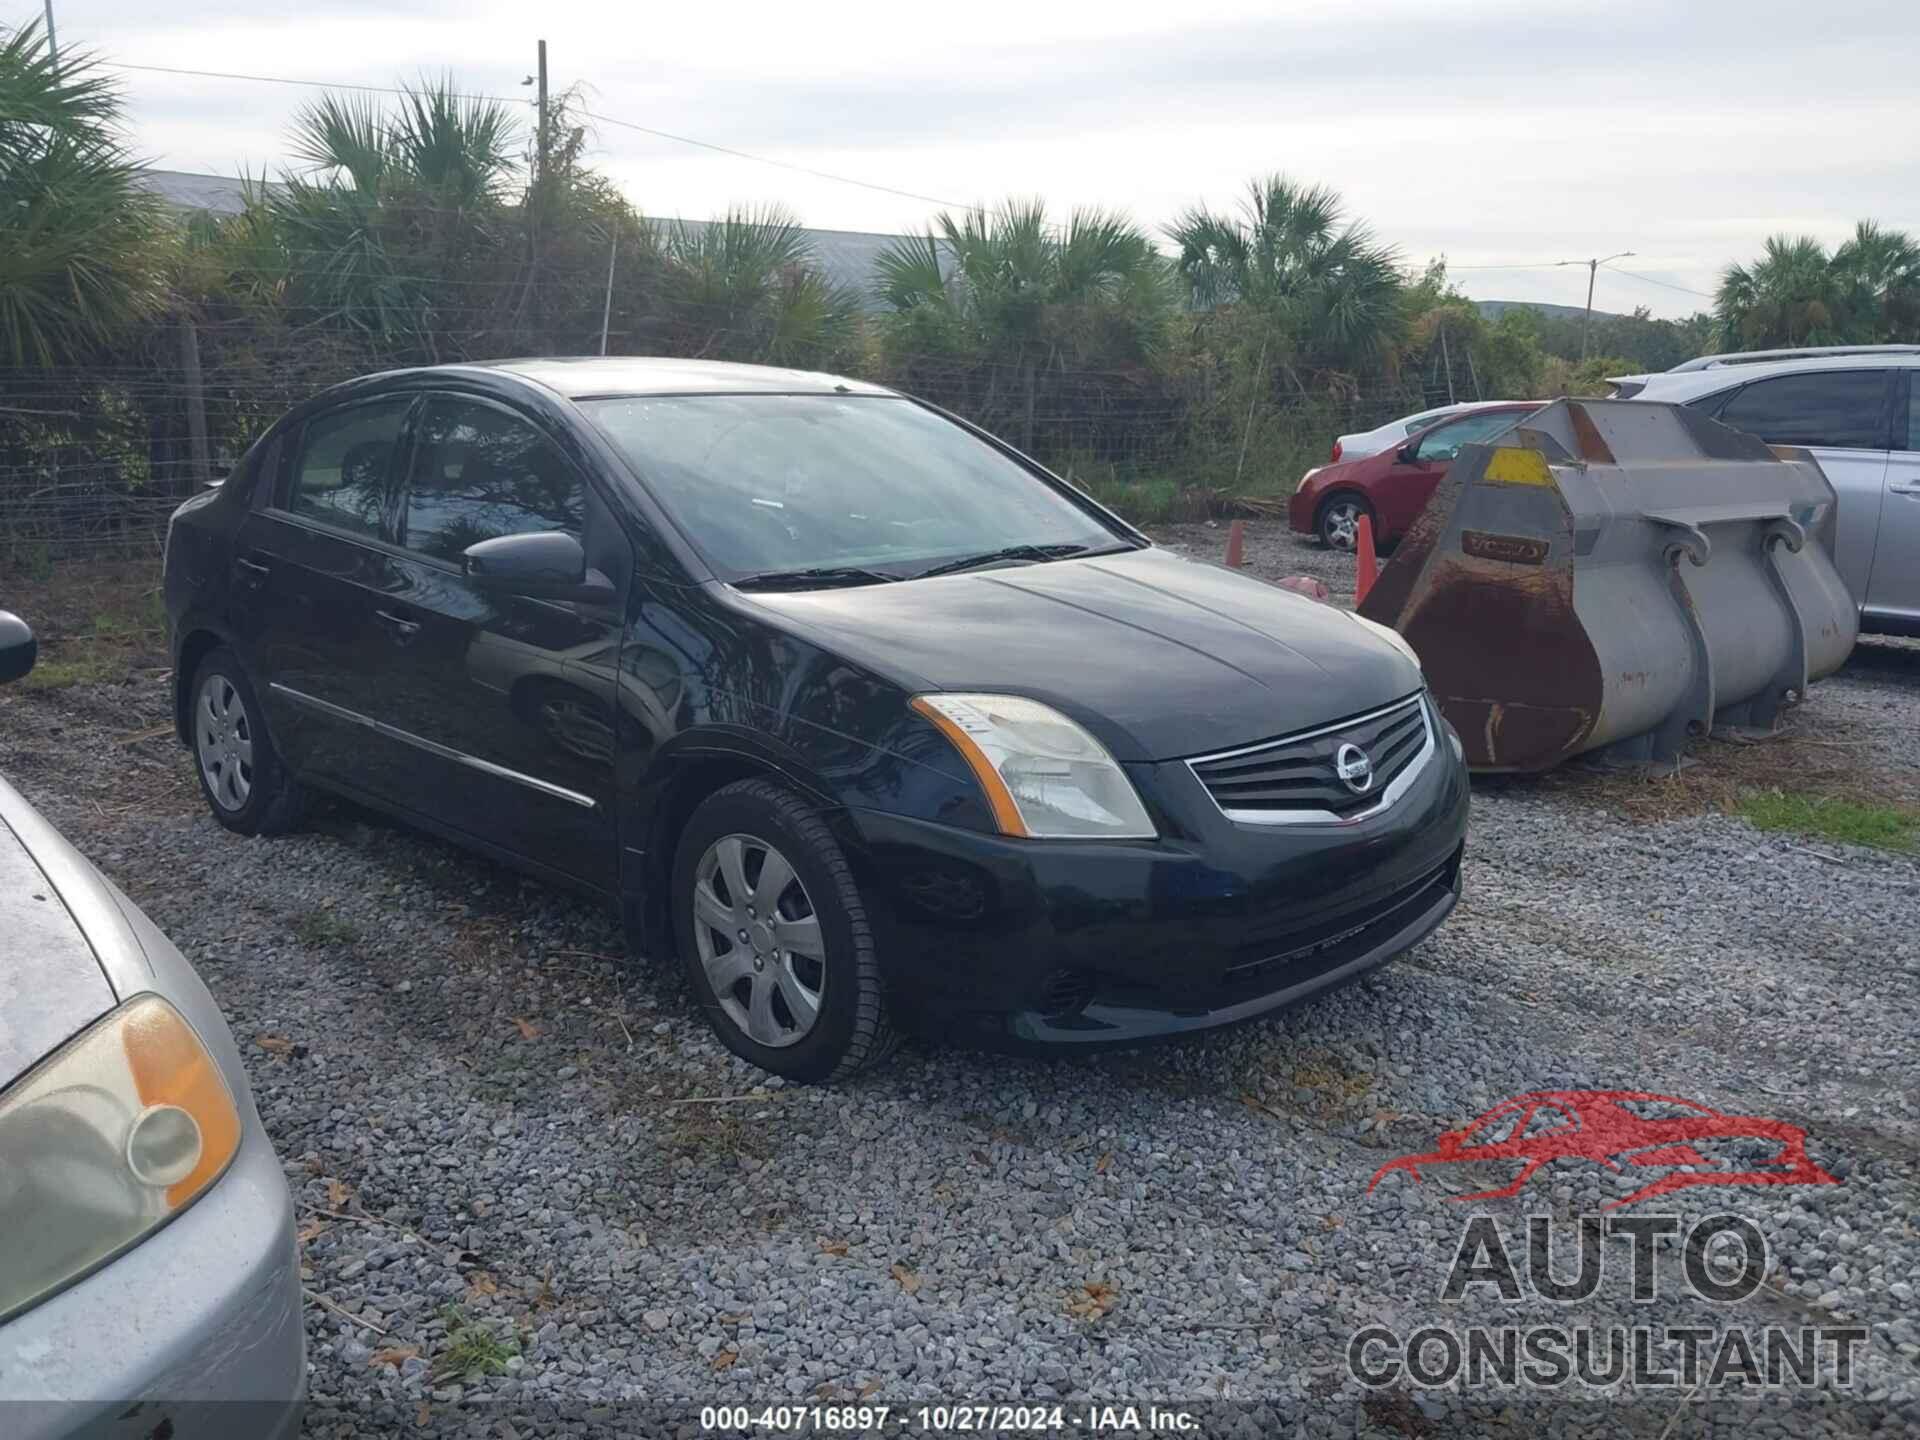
[[1313, 816]]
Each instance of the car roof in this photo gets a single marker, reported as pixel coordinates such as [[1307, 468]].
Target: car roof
[[577, 377], [1802, 352], [1457, 407], [1687, 384], [1522, 406]]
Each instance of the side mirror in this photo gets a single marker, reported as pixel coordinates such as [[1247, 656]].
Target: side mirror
[[546, 565], [18, 649], [1409, 454]]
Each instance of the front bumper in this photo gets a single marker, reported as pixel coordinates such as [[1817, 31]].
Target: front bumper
[[1300, 505], [1084, 944], [196, 1331]]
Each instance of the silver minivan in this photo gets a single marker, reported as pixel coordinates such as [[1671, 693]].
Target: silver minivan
[[1859, 414]]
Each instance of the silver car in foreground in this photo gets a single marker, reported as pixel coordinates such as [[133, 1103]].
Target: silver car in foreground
[[149, 1283], [1859, 413]]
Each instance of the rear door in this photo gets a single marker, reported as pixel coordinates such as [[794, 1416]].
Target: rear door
[[508, 699], [1893, 589], [1842, 416], [311, 565]]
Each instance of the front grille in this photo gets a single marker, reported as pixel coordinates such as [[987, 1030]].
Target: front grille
[[1294, 780]]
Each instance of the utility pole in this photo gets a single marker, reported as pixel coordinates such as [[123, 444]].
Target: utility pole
[[53, 46], [1593, 269], [540, 161], [536, 192], [606, 313]]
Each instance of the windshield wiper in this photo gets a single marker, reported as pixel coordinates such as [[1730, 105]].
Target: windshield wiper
[[1010, 552], [819, 577]]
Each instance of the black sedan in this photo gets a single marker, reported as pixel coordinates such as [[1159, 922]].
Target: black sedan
[[875, 722]]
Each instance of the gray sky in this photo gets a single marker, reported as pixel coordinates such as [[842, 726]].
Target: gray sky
[[1496, 133]]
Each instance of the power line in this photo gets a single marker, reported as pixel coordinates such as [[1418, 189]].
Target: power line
[[1664, 284], [1527, 265], [591, 115]]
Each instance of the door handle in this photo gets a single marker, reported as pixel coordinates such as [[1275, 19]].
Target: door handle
[[252, 571], [1913, 489], [403, 628]]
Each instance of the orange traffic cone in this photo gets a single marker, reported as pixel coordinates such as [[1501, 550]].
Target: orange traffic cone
[[1366, 566], [1236, 545]]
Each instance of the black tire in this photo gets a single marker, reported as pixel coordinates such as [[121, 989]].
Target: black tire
[[273, 802], [1327, 522], [851, 1029]]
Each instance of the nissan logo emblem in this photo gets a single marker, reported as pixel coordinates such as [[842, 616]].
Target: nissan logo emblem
[[1353, 767]]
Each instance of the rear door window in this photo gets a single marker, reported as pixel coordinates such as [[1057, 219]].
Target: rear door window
[[480, 472], [1833, 409], [1912, 428], [345, 472]]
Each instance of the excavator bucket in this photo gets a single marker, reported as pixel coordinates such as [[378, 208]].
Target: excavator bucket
[[1620, 576]]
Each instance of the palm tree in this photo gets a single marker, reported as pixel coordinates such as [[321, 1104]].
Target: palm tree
[[396, 227], [81, 243], [746, 287], [1790, 296], [1324, 294], [1029, 299], [1879, 272]]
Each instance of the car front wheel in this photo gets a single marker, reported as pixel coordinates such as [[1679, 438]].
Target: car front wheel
[[1339, 525], [241, 774], [775, 937]]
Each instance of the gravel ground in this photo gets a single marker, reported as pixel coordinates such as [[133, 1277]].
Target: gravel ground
[[515, 1151]]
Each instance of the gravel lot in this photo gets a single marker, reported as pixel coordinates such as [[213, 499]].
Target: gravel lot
[[515, 1150]]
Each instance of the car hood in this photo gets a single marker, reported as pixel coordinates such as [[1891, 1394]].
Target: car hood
[[51, 984], [1158, 656], [1352, 469]]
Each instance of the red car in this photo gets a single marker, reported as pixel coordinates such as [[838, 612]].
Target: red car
[[1390, 488], [1692, 1144]]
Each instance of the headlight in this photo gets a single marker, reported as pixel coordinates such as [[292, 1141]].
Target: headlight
[[113, 1135], [1045, 777], [1391, 636]]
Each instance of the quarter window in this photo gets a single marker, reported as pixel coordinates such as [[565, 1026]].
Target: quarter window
[[345, 466], [1837, 409], [479, 473]]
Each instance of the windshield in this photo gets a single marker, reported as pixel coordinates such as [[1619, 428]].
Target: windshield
[[795, 483]]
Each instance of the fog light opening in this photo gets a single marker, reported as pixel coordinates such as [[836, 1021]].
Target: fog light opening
[[1066, 994]]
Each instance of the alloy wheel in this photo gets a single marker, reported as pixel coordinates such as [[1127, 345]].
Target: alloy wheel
[[1341, 525], [759, 940], [223, 740]]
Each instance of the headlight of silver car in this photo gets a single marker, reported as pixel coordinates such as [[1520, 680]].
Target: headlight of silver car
[[108, 1138], [1044, 776]]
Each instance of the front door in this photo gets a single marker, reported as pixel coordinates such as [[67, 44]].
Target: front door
[[1893, 590], [509, 700], [1410, 484], [1841, 416]]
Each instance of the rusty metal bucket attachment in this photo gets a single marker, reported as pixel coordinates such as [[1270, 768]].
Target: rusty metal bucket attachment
[[1618, 575]]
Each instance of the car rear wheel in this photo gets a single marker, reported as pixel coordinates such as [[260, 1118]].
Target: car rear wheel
[[775, 938], [1339, 523], [246, 785]]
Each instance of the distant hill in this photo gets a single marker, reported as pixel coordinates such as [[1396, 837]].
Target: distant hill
[[1494, 309]]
